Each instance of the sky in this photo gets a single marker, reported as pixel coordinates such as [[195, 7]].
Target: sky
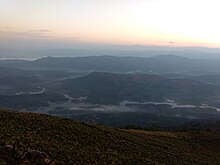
[[82, 23]]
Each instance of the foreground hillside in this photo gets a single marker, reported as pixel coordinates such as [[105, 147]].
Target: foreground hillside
[[72, 142]]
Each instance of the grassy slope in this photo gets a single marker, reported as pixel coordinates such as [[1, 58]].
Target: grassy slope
[[79, 143]]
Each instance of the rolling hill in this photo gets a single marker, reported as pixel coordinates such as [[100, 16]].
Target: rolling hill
[[110, 88], [71, 142]]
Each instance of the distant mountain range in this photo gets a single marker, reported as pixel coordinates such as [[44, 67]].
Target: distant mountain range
[[163, 64], [112, 50]]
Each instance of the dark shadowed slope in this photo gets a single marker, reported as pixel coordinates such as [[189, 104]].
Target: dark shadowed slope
[[109, 88], [72, 142]]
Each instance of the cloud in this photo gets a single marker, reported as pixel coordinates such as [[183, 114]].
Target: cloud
[[35, 33], [7, 27], [71, 38], [41, 31]]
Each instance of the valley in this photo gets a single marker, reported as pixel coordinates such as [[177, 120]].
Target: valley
[[84, 89]]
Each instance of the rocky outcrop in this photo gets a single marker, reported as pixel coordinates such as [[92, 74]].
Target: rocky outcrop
[[13, 155]]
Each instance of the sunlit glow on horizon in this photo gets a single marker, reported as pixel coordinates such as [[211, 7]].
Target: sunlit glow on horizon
[[146, 22]]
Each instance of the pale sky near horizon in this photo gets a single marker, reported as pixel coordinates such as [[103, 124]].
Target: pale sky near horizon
[[144, 22]]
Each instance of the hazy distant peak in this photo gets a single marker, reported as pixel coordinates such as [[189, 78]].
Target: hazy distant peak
[[169, 56]]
